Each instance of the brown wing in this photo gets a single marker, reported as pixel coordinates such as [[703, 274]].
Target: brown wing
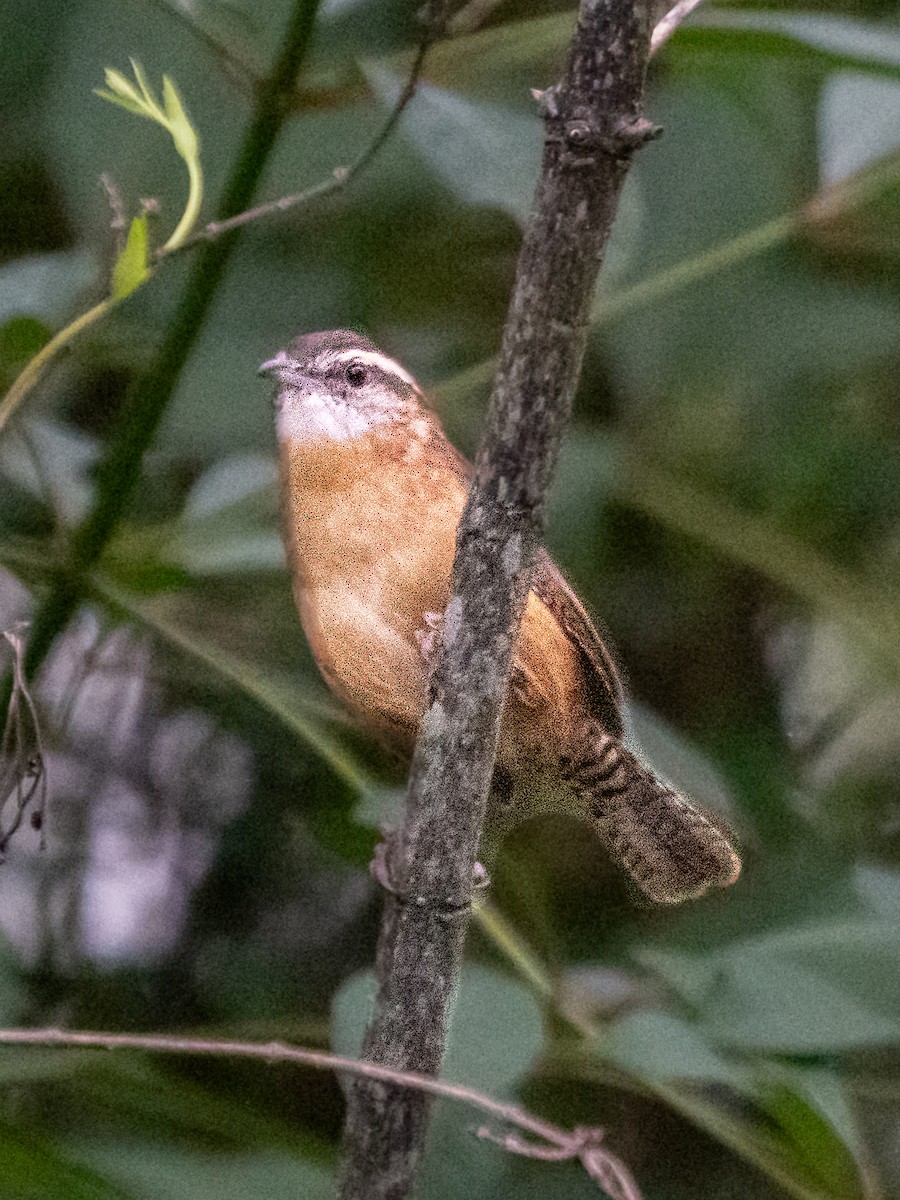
[[601, 680]]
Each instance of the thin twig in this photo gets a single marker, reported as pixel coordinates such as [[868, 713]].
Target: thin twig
[[583, 1143], [243, 75], [340, 177], [670, 22], [247, 77], [556, 1144], [117, 221]]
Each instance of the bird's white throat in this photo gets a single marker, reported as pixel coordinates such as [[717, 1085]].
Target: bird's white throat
[[307, 416]]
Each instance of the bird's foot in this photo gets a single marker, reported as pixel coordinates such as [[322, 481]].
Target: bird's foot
[[382, 868], [429, 638]]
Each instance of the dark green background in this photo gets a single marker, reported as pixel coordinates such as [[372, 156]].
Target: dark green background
[[727, 501]]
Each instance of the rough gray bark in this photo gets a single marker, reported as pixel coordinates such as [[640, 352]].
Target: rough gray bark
[[593, 119]]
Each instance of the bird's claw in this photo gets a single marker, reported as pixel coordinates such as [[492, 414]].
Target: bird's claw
[[429, 638]]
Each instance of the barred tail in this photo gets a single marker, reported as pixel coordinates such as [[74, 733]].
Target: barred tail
[[673, 849]]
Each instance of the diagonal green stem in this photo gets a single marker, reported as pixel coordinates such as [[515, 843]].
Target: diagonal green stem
[[757, 543], [26, 380], [845, 196], [149, 396], [307, 722]]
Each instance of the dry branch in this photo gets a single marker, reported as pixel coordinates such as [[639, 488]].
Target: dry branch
[[553, 1144]]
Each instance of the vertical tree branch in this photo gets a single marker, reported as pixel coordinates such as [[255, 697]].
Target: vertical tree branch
[[593, 124]]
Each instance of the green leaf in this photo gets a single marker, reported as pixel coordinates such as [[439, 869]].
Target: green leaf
[[54, 465], [183, 133], [229, 523], [175, 121], [824, 988], [657, 1046], [122, 92], [146, 92], [772, 1006], [484, 153], [132, 266], [879, 888], [823, 41], [172, 1173], [745, 1128], [859, 123], [45, 286], [496, 1028], [20, 339], [512, 55], [811, 1107], [692, 977], [352, 1007], [496, 1031], [35, 1169], [762, 1143]]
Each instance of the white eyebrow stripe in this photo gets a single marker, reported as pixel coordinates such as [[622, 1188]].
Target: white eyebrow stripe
[[383, 361]]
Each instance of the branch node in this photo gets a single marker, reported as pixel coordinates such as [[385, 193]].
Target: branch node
[[634, 134], [547, 101], [584, 1143], [383, 869], [580, 134], [481, 880], [583, 135]]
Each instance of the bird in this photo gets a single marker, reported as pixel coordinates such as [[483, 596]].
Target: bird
[[371, 492]]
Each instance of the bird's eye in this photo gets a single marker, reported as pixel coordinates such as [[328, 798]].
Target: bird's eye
[[356, 374]]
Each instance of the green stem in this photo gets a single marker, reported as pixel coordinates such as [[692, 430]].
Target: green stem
[[32, 372], [507, 939], [191, 209], [718, 258], [246, 678], [841, 198], [756, 543], [148, 398]]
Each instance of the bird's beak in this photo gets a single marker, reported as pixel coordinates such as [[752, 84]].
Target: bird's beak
[[272, 364]]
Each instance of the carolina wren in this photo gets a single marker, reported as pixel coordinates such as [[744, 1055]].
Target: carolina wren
[[371, 494]]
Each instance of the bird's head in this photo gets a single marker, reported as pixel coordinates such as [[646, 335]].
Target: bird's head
[[339, 386]]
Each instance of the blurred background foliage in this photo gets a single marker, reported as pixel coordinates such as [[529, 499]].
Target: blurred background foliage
[[728, 503]]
